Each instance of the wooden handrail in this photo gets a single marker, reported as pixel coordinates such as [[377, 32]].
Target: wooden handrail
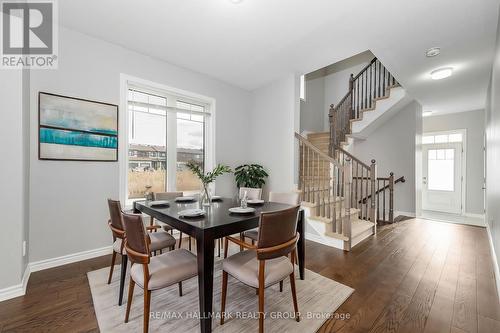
[[354, 158], [399, 180], [365, 68], [317, 150]]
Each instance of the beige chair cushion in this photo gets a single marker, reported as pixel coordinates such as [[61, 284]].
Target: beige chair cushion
[[166, 269], [252, 234], [160, 240], [244, 266]]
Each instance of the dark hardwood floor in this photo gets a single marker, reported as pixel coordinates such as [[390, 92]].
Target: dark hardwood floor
[[413, 276]]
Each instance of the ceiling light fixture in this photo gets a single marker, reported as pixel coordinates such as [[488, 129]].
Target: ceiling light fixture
[[236, 1], [426, 113], [441, 73], [432, 52]]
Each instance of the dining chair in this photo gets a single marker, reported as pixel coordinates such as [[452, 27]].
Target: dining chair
[[159, 241], [252, 193], [153, 273], [288, 198], [266, 263], [166, 227]]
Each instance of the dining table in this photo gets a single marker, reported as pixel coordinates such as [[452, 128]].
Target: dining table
[[216, 223]]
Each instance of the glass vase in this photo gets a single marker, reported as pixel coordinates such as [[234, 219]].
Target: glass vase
[[206, 196]]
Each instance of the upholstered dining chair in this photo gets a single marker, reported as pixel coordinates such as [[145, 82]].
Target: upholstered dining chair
[[159, 241], [266, 263], [252, 193], [153, 273], [166, 227], [288, 198]]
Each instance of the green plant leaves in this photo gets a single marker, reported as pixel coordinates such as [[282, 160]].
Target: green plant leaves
[[250, 175], [209, 177]]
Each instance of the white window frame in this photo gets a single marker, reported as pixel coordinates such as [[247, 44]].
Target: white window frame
[[130, 82], [462, 131]]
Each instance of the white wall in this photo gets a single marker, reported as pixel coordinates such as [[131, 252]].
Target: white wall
[[68, 199], [312, 109], [274, 121], [492, 116], [393, 146], [13, 197], [473, 122]]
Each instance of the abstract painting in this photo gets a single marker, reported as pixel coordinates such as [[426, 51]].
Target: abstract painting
[[74, 129]]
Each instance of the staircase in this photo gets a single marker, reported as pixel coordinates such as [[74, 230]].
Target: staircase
[[341, 195]]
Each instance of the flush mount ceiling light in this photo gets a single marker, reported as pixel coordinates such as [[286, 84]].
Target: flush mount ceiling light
[[426, 113], [441, 73], [236, 1], [432, 52]]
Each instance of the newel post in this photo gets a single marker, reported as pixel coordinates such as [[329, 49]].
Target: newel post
[[391, 197], [346, 219], [333, 129], [373, 199]]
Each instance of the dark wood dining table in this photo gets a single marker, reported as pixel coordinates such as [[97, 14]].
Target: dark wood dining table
[[218, 222]]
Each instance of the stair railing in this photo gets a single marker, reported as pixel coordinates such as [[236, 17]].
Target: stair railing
[[324, 181], [385, 197], [362, 185], [371, 83]]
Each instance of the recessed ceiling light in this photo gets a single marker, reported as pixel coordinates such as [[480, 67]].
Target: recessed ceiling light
[[236, 1], [441, 73], [433, 51], [426, 113]]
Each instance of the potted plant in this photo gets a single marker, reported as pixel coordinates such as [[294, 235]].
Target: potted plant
[[207, 178], [250, 175]]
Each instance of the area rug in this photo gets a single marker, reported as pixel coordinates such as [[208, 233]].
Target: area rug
[[318, 299]]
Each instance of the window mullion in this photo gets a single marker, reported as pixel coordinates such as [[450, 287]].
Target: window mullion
[[171, 146]]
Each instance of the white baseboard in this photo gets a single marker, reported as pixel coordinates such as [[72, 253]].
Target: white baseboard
[[477, 216], [495, 260], [18, 289], [70, 258], [400, 212]]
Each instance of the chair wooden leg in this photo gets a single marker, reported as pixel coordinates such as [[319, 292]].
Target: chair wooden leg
[[180, 240], [226, 245], [253, 241], [189, 246], [219, 241], [161, 251], [113, 258], [281, 286], [242, 238], [180, 289], [147, 304], [261, 295], [223, 297], [294, 291], [129, 300], [122, 278]]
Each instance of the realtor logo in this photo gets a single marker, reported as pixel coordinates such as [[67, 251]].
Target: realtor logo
[[29, 34]]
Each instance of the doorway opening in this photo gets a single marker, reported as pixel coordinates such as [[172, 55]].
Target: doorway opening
[[443, 170]]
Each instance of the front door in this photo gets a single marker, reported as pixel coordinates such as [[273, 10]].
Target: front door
[[442, 177]]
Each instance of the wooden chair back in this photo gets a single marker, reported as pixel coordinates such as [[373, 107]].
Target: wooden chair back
[[277, 233], [115, 219], [137, 241]]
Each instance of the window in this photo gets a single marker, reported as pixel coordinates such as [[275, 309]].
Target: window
[[442, 138], [165, 131], [302, 87], [441, 169]]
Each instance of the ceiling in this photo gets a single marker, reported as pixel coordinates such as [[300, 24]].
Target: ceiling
[[257, 41]]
